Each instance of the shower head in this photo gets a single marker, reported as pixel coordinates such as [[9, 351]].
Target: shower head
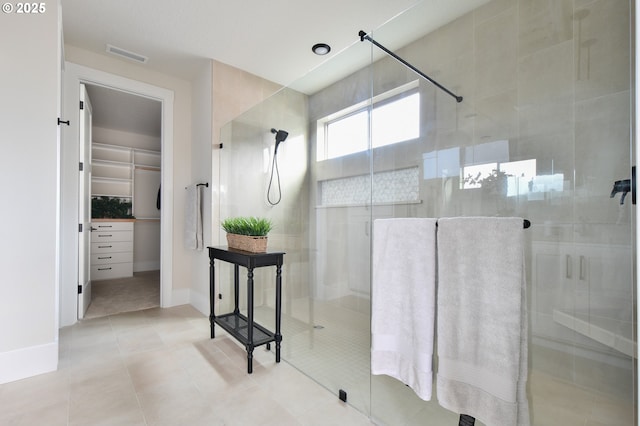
[[281, 136]]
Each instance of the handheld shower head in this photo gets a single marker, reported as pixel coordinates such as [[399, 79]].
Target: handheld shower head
[[281, 136]]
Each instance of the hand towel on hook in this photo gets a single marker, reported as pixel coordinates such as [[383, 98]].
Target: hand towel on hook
[[403, 301], [193, 219]]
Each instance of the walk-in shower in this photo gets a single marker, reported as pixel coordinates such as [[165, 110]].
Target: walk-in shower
[[379, 141]]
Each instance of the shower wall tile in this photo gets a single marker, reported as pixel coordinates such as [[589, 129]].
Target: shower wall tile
[[546, 76], [491, 9], [543, 24], [395, 186], [602, 157], [601, 49], [495, 55], [455, 39], [496, 117]]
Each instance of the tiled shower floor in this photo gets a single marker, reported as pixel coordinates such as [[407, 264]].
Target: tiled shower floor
[[563, 388]]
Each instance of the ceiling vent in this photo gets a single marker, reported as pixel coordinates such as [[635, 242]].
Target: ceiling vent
[[127, 54]]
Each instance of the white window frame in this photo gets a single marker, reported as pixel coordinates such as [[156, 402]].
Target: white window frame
[[368, 106]]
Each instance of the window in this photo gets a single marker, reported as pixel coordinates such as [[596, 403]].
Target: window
[[394, 118], [519, 176]]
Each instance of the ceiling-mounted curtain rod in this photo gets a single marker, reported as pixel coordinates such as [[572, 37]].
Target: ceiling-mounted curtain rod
[[364, 36]]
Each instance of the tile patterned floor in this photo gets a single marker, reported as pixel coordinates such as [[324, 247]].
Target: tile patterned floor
[[158, 367], [108, 297]]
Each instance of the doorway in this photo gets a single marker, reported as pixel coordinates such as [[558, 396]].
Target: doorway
[[125, 200], [74, 76]]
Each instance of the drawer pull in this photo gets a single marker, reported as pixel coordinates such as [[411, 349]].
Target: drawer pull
[[105, 246], [582, 268], [104, 269], [105, 235], [105, 226], [106, 257]]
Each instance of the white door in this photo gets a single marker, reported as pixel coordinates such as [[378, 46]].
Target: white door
[[84, 205]]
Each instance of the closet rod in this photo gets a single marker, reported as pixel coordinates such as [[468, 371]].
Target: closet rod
[[364, 36]]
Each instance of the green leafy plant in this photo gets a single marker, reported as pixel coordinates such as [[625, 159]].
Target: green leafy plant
[[254, 226], [495, 182], [110, 208]]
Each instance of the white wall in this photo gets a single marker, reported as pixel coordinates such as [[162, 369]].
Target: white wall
[[220, 94], [29, 107], [178, 161], [123, 138], [201, 173]]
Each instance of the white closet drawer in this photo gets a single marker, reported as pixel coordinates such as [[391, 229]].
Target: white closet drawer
[[107, 258], [109, 236], [114, 270], [111, 247], [112, 226]]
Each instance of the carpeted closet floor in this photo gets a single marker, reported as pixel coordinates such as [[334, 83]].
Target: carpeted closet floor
[[108, 297]]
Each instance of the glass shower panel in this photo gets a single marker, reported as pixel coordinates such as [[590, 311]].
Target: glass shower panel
[[322, 223], [247, 172], [334, 350], [542, 133]]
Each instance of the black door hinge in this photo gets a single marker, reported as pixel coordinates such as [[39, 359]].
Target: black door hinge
[[81, 105], [81, 166], [79, 227], [79, 289]]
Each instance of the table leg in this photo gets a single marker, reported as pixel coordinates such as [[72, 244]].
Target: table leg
[[249, 320], [278, 336], [212, 279], [236, 289]]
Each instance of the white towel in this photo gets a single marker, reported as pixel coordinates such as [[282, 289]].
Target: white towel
[[482, 323], [193, 219], [403, 301]]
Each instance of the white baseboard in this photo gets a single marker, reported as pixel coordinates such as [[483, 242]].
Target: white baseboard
[[28, 362], [179, 297], [152, 265], [200, 302]]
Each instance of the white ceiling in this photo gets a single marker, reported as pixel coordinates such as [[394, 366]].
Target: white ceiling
[[271, 39], [113, 109]]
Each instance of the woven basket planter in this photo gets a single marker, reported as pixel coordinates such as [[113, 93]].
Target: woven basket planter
[[247, 243]]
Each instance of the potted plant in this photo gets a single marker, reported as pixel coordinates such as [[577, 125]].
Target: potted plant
[[110, 208], [247, 233], [495, 183]]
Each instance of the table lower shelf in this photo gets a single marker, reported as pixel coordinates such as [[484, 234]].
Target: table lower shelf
[[236, 325]]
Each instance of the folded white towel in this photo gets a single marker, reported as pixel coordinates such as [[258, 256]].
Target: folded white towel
[[403, 301], [193, 219], [482, 324]]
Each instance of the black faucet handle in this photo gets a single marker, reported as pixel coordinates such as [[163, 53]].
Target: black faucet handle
[[622, 186]]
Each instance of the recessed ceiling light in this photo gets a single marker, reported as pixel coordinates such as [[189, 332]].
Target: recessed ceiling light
[[321, 48], [127, 54]]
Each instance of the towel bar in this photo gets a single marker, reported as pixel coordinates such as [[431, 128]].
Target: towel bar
[[526, 223], [199, 184]]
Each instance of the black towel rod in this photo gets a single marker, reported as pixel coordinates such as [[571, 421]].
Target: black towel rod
[[200, 184], [526, 223], [364, 36]]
